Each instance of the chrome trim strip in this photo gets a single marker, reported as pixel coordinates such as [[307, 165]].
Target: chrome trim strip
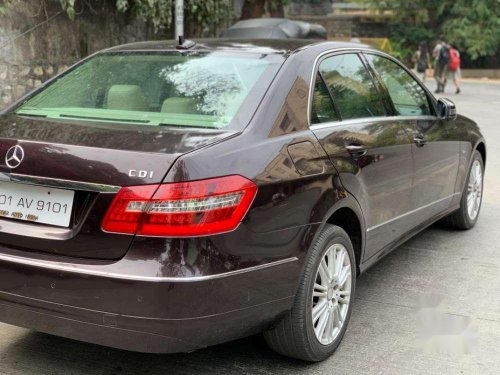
[[340, 51], [66, 267], [411, 212], [314, 70], [58, 183], [364, 120]]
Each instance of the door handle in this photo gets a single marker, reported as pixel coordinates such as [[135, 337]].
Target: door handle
[[419, 140], [356, 150]]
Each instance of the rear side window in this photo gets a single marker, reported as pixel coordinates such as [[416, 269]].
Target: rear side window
[[196, 89], [322, 105], [408, 97], [351, 86]]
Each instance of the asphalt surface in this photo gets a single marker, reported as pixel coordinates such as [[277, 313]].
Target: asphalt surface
[[430, 307]]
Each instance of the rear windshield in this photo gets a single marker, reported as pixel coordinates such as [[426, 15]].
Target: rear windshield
[[193, 89]]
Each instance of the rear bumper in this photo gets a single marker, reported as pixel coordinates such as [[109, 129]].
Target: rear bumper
[[44, 320], [138, 333], [143, 313]]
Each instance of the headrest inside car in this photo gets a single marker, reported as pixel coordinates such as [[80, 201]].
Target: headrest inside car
[[127, 97], [180, 105]]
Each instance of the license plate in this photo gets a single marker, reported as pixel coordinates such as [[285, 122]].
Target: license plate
[[36, 203]]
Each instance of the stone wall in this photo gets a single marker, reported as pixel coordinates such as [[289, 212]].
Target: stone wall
[[295, 8], [37, 40]]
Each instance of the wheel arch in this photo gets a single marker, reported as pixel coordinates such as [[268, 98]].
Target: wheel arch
[[481, 148], [347, 214]]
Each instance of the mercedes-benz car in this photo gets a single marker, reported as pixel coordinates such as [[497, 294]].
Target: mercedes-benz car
[[163, 197]]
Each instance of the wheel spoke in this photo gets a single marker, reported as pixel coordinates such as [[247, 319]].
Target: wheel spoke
[[470, 198], [320, 307], [329, 325], [339, 262], [331, 262], [472, 177], [345, 274], [320, 287], [323, 272], [319, 294], [320, 328], [336, 321], [341, 313]]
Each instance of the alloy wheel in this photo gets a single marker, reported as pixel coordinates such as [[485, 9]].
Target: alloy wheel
[[331, 294], [474, 190]]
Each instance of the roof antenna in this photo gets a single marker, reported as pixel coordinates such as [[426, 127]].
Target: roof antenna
[[185, 43]]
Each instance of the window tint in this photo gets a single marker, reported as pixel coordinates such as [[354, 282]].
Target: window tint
[[200, 89], [408, 97], [351, 86], [322, 106]]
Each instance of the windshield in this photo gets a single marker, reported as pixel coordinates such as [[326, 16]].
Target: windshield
[[194, 89]]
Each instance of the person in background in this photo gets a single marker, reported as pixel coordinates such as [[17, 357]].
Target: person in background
[[421, 59], [441, 54], [453, 68]]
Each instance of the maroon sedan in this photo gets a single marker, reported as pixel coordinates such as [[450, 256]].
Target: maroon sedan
[[161, 198]]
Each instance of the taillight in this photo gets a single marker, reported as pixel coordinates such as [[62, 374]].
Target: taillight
[[182, 209]]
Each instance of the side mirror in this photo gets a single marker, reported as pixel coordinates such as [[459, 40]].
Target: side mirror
[[447, 110]]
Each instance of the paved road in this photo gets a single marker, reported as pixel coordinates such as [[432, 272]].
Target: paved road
[[439, 276]]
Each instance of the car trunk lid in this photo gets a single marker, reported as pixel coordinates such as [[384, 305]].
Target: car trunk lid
[[94, 160]]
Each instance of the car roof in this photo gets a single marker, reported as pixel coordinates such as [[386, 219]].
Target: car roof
[[267, 46]]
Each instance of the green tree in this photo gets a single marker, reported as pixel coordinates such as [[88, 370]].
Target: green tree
[[474, 25], [202, 15], [4, 4]]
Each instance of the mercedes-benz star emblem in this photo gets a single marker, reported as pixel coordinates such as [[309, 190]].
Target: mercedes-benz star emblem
[[14, 156]]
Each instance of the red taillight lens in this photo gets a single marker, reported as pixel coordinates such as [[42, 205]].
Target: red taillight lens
[[181, 209]]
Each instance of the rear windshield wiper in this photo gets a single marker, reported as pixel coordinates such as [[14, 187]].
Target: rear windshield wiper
[[105, 119], [30, 114], [187, 126]]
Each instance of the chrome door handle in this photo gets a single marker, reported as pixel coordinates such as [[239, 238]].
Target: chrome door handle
[[356, 150]]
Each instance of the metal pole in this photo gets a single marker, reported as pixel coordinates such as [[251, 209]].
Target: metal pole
[[179, 18]]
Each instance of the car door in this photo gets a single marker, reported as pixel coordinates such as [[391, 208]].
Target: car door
[[370, 150], [435, 149]]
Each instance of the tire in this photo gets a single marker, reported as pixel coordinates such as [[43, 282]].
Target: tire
[[461, 218], [295, 336]]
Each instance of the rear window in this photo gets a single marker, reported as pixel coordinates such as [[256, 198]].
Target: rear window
[[193, 89]]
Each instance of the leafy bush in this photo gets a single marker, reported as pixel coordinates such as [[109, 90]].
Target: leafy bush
[[202, 14], [472, 25]]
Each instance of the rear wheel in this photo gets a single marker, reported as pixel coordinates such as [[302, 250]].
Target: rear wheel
[[315, 325], [470, 204]]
